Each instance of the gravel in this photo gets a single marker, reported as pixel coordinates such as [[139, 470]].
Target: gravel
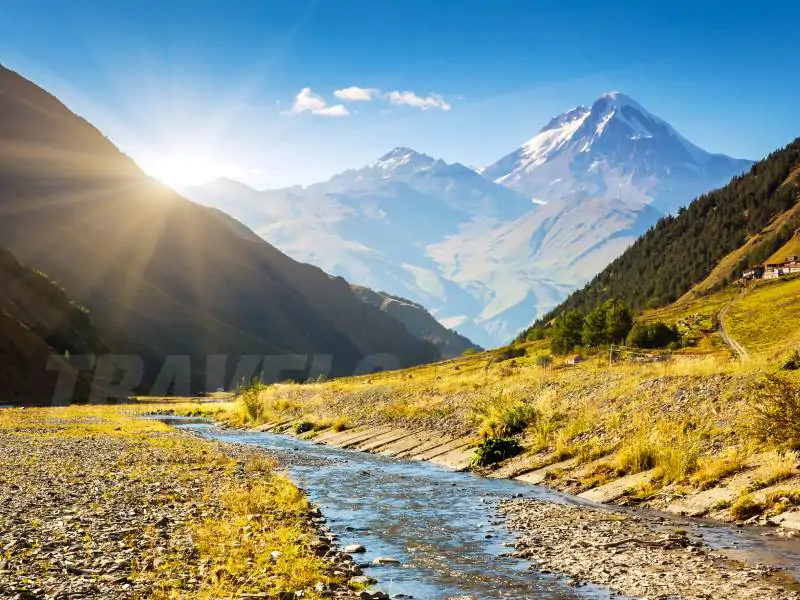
[[107, 516], [632, 556]]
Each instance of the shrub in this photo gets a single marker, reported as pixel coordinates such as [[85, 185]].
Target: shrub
[[504, 417], [544, 361], [303, 427], [339, 424], [494, 450], [508, 353], [653, 335], [776, 411], [535, 334], [251, 402], [792, 362], [640, 455], [745, 508], [469, 351]]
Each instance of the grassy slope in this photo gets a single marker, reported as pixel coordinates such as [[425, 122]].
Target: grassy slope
[[148, 455], [791, 248], [685, 418]]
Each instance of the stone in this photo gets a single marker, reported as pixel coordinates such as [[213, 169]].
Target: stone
[[385, 560]]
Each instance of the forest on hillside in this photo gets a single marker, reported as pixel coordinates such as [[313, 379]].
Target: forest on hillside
[[680, 250]]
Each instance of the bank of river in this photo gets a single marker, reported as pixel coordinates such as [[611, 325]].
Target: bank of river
[[459, 536]]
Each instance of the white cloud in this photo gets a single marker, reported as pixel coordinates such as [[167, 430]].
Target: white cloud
[[357, 94], [408, 98], [308, 101]]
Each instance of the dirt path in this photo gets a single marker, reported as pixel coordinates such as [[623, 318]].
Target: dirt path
[[740, 350]]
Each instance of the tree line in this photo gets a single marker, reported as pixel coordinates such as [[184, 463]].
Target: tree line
[[610, 322]]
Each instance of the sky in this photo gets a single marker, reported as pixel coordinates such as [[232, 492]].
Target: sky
[[278, 93]]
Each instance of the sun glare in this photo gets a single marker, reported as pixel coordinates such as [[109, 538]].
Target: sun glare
[[185, 170]]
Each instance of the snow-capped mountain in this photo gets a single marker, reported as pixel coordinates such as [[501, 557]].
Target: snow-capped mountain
[[488, 251], [614, 148]]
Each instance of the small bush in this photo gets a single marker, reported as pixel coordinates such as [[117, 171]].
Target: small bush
[[469, 351], [792, 362], [495, 450], [776, 411], [508, 353], [640, 455], [745, 508], [653, 335], [339, 424], [503, 417], [303, 427], [251, 402]]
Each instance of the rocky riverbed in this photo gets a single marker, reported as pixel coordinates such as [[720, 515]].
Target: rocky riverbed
[[93, 505], [635, 557]]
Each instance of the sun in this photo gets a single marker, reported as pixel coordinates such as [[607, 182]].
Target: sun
[[180, 171]]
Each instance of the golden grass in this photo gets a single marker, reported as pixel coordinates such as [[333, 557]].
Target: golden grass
[[685, 418], [713, 469], [778, 466], [765, 319]]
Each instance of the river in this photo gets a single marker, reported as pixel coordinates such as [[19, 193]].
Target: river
[[443, 526]]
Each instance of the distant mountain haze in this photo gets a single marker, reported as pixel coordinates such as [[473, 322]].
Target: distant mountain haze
[[160, 274], [489, 251], [418, 321]]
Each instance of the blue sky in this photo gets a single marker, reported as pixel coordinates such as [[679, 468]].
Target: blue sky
[[197, 89]]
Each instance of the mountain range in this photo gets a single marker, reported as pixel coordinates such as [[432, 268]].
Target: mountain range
[[489, 250], [161, 276]]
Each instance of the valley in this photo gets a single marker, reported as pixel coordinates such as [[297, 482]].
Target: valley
[[332, 300]]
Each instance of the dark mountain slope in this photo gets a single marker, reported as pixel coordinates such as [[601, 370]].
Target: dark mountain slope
[[680, 251], [162, 275], [38, 321]]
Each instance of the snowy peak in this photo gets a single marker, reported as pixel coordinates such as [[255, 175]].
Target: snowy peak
[[612, 115], [613, 148], [402, 158]]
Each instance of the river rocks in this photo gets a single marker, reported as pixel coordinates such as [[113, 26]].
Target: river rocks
[[355, 549], [385, 560], [109, 517], [631, 555]]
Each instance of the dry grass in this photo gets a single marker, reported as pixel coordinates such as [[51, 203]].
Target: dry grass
[[778, 466], [763, 319], [713, 469]]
